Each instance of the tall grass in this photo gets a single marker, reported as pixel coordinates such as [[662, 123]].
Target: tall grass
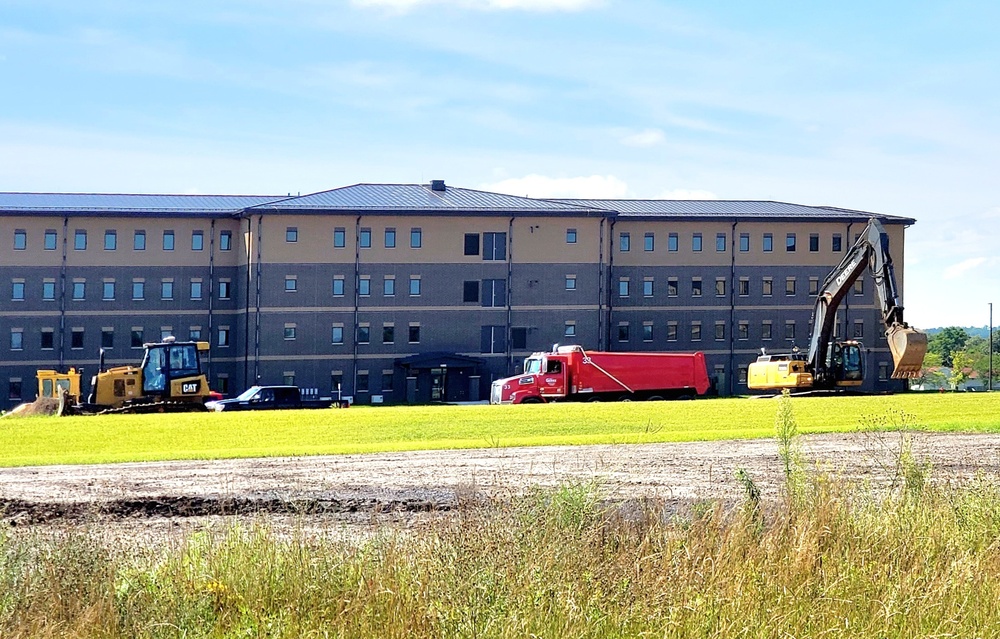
[[841, 562]]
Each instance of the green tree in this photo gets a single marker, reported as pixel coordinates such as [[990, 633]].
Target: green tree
[[947, 342], [930, 372], [960, 366]]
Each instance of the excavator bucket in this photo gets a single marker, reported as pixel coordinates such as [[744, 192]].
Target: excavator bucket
[[908, 348]]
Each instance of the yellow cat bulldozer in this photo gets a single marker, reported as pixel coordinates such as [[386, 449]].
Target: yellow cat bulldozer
[[169, 379]]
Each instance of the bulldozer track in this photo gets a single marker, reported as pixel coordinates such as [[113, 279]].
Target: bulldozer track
[[155, 407]]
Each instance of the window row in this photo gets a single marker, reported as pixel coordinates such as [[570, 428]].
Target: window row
[[50, 240], [696, 330], [137, 337], [364, 238], [109, 289], [625, 286], [722, 242]]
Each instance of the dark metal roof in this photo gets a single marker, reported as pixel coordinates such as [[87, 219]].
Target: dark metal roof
[[118, 203], [436, 358], [743, 209], [421, 198]]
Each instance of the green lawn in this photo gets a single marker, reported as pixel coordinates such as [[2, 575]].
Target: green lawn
[[120, 438]]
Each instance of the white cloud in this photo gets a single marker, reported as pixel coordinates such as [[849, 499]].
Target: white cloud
[[956, 270], [541, 186], [686, 194], [644, 138], [486, 5]]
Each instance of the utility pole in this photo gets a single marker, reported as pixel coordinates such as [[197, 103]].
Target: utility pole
[[990, 349]]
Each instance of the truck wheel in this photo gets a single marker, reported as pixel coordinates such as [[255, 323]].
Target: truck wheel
[[625, 398], [531, 400], [655, 398], [595, 398]]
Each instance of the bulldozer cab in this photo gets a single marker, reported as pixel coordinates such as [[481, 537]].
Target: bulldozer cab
[[168, 361], [52, 383]]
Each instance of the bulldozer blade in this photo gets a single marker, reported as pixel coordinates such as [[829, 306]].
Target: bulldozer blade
[[908, 347]]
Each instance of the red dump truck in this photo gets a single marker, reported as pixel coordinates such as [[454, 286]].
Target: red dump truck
[[570, 373]]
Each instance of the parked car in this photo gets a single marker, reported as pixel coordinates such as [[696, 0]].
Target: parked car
[[268, 398]]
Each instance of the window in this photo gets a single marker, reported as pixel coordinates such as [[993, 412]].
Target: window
[[337, 382], [291, 283], [226, 241], [883, 371], [859, 286], [720, 242], [416, 238], [472, 243], [110, 240], [168, 240], [80, 240], [414, 285], [720, 331], [789, 286], [362, 382], [365, 285], [196, 289], [519, 337], [696, 242], [165, 332], [338, 286], [386, 382], [838, 243], [744, 286], [51, 239], [16, 339], [365, 238], [571, 282], [194, 333], [494, 293], [765, 330], [494, 246], [223, 336], [364, 333], [79, 289], [289, 332], [339, 237], [742, 374], [197, 240], [288, 378], [744, 330], [768, 243], [390, 237], [623, 287], [139, 241], [292, 234], [224, 292], [48, 339], [790, 242], [569, 329], [696, 287], [166, 289], [388, 286], [647, 242], [388, 333], [337, 334], [672, 287], [623, 332], [492, 339], [571, 236], [859, 329], [647, 331], [813, 285], [671, 331], [136, 337], [814, 242], [17, 291], [695, 331], [76, 338], [720, 286], [672, 242], [413, 334], [470, 291], [49, 290], [624, 242], [14, 389], [647, 288], [789, 329], [138, 289], [767, 286], [744, 242]]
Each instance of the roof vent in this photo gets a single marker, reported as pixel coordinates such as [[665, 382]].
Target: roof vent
[[437, 185]]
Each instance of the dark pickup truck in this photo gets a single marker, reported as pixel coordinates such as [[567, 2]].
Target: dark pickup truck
[[269, 398]]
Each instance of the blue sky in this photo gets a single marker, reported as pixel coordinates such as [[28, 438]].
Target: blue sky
[[889, 107]]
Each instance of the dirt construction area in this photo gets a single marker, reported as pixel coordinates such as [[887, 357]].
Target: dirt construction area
[[146, 501]]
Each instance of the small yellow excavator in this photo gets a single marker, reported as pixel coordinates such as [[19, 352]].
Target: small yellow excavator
[[830, 365], [169, 379]]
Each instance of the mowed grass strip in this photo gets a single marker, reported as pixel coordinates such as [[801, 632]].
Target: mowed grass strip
[[124, 438]]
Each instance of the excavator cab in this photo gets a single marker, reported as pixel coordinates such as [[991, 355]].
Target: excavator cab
[[846, 364]]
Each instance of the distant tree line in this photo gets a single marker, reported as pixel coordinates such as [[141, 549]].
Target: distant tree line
[[954, 348]]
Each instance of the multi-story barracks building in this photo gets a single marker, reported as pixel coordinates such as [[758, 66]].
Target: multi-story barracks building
[[415, 293]]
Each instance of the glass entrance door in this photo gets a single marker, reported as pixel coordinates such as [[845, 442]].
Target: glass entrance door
[[438, 379]]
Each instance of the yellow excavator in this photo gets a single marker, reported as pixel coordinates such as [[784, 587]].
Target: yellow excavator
[[830, 365], [169, 379]]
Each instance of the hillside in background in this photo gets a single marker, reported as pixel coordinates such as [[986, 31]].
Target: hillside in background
[[972, 331]]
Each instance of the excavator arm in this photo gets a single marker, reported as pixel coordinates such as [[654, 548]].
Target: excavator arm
[[870, 251]]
